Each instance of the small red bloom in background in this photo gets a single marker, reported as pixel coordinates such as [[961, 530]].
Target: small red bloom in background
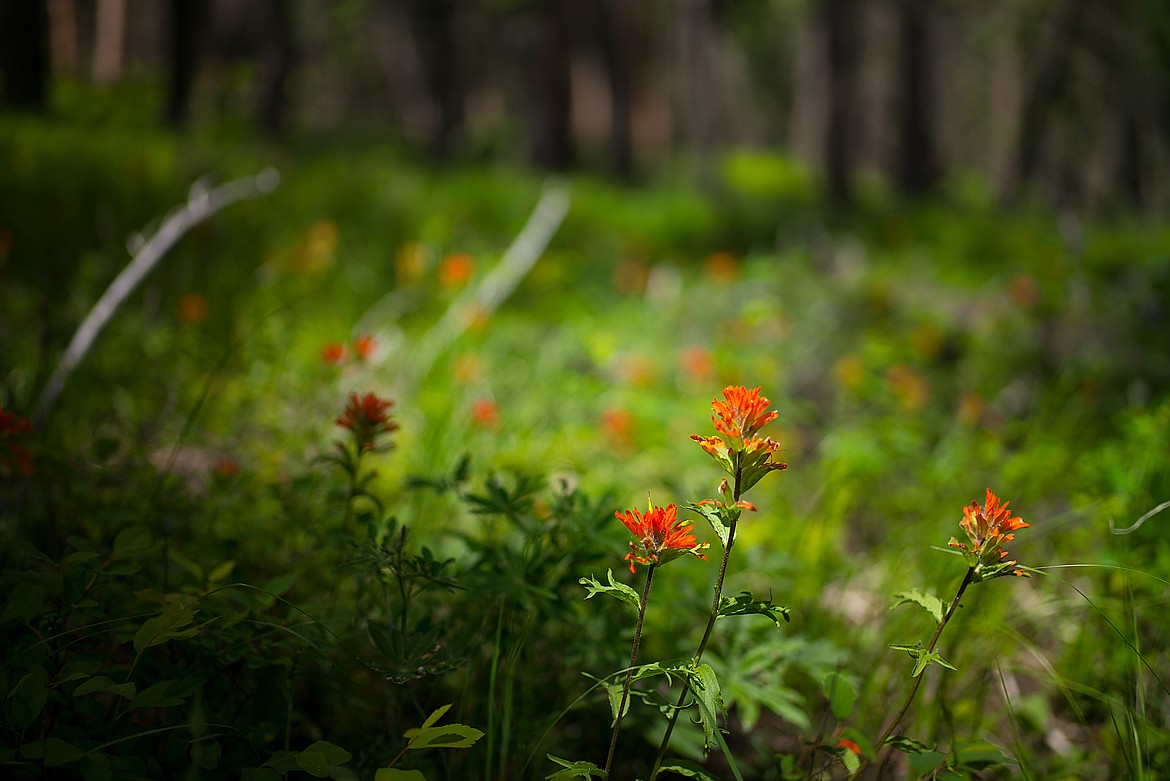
[[192, 308], [988, 528], [660, 536], [15, 458], [698, 364], [618, 425], [367, 417], [456, 270], [334, 352], [485, 413], [364, 346], [226, 468], [846, 743]]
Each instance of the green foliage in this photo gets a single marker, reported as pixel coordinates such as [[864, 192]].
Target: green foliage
[[619, 591]]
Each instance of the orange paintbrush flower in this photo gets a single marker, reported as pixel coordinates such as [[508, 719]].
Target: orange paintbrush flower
[[743, 413], [661, 537], [739, 450], [988, 528]]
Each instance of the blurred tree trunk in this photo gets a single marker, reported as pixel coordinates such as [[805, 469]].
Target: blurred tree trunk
[[917, 167], [434, 30], [23, 54], [617, 42], [552, 143], [63, 37], [109, 47], [276, 62], [840, 17], [1044, 89], [184, 25]]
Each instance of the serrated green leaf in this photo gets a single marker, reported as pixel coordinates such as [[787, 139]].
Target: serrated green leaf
[[615, 589], [687, 769], [434, 717], [745, 603], [394, 774], [709, 698], [166, 626], [717, 516], [570, 770], [103, 683], [928, 602]]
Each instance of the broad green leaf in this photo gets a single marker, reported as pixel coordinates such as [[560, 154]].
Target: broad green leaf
[[615, 589], [131, 540], [978, 754], [323, 760], [570, 770], [28, 697], [103, 683], [717, 515], [53, 751], [221, 571], [164, 694], [746, 604], [928, 602], [926, 761], [166, 626], [446, 736], [187, 564], [96, 767], [25, 602], [394, 774], [839, 692], [283, 762]]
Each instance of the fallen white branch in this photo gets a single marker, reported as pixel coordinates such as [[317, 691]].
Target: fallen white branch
[[499, 283], [148, 251]]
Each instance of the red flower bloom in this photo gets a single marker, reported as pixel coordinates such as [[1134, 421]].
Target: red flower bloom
[[367, 416], [988, 528], [661, 537], [15, 458], [334, 352], [485, 413], [364, 346], [740, 451]]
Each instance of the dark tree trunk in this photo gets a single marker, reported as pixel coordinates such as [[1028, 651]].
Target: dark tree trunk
[[552, 145], [917, 165], [617, 51], [276, 60], [184, 26], [1043, 90], [840, 29], [24, 30], [435, 36]]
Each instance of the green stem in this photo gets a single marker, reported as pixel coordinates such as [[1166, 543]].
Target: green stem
[[710, 623], [617, 723], [892, 725]]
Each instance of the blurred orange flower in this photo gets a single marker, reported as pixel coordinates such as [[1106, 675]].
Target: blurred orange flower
[[909, 388], [660, 536], [226, 468], [334, 352], [192, 308], [721, 267], [1024, 289], [318, 249], [456, 270], [618, 424], [468, 367], [485, 413], [630, 277], [364, 346], [698, 364], [988, 528], [970, 408]]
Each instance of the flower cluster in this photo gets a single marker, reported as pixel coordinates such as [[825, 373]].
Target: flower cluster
[[364, 346], [660, 535], [739, 449], [15, 458], [988, 528], [367, 417]]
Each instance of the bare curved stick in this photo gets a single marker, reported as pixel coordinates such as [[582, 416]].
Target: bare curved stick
[[1138, 523], [499, 283], [148, 251]]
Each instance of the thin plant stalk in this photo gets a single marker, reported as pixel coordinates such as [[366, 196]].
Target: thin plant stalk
[[617, 723], [893, 723], [711, 618]]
